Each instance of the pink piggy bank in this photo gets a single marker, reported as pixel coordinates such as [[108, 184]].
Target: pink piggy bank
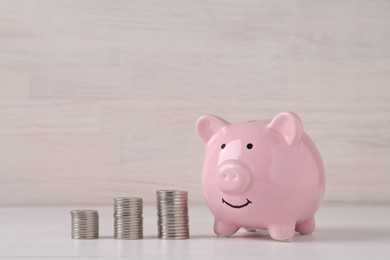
[[265, 174]]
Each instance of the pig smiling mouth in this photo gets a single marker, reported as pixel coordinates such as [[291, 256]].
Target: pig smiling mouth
[[237, 206]]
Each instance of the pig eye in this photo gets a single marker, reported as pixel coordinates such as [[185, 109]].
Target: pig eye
[[223, 146], [249, 146]]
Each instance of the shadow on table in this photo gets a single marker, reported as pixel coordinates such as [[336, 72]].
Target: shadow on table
[[319, 235], [344, 235], [242, 234]]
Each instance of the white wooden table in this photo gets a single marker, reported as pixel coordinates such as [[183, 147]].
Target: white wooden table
[[343, 231]]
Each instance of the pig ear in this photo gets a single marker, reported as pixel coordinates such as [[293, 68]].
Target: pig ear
[[208, 126], [289, 125]]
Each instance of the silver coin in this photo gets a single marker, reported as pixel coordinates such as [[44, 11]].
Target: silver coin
[[130, 199], [131, 220], [129, 237], [122, 227], [128, 214], [172, 207], [173, 234], [125, 208], [172, 226], [85, 224], [135, 224], [128, 220], [174, 230], [171, 202], [175, 237], [164, 212], [172, 214], [122, 219], [173, 198], [173, 222], [129, 233], [175, 192], [132, 211], [127, 223]]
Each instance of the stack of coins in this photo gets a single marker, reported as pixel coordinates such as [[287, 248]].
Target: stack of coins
[[85, 224], [172, 214], [128, 220]]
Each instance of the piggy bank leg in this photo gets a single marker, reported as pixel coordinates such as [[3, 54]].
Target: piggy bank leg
[[306, 227], [224, 229], [284, 232]]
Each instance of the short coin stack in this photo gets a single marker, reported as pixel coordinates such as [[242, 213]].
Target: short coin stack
[[128, 220], [172, 213], [85, 224]]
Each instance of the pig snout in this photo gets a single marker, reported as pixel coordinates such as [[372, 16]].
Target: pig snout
[[233, 177]]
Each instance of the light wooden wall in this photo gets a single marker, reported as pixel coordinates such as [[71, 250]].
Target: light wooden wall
[[99, 98]]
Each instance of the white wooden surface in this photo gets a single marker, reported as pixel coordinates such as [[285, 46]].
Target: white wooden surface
[[99, 98], [344, 231]]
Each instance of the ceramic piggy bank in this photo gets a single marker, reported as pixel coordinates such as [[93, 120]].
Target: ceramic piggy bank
[[265, 174]]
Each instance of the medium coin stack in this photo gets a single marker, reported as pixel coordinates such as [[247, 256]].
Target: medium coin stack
[[128, 220], [172, 214], [85, 224]]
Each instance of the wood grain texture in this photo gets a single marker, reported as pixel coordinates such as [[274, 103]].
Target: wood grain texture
[[99, 98]]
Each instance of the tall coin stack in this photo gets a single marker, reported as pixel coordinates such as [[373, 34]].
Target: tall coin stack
[[172, 214], [85, 224], [128, 220]]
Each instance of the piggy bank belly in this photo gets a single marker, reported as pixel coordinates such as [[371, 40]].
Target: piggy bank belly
[[281, 210]]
